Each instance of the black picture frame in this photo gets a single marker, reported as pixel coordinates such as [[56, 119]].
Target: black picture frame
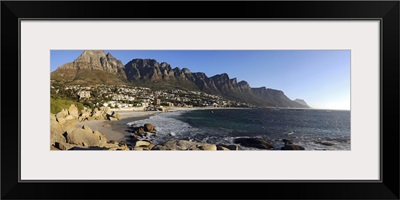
[[386, 11]]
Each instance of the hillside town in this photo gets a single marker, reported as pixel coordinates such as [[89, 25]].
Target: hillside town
[[139, 98]]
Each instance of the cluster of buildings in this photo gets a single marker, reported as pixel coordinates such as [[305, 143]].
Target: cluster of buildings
[[123, 96]]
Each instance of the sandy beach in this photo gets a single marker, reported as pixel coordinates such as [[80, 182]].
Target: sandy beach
[[116, 130]]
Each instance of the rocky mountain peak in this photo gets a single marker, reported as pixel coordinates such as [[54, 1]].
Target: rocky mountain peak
[[109, 56], [243, 83], [186, 71], [95, 66], [91, 56], [91, 64]]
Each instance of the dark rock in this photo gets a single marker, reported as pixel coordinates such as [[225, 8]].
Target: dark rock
[[286, 141], [254, 142], [223, 148], [233, 147], [148, 127], [140, 131], [292, 147], [326, 143]]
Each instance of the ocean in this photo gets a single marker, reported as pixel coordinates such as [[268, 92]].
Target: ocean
[[312, 129]]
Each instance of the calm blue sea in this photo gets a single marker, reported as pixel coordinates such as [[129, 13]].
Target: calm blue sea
[[304, 127]]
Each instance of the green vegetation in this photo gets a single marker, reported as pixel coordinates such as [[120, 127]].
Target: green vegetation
[[56, 105]]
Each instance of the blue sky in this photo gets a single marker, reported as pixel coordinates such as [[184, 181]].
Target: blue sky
[[320, 77]]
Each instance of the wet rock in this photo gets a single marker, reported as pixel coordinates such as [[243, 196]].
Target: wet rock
[[292, 147], [149, 127], [286, 141], [225, 147], [254, 142], [326, 143], [233, 147]]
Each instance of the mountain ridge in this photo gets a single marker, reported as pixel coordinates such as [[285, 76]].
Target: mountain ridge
[[96, 67]]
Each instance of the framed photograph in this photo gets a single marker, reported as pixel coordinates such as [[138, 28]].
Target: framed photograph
[[290, 96]]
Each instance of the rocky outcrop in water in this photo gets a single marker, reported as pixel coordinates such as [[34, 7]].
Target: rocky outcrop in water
[[290, 146], [185, 145], [254, 143]]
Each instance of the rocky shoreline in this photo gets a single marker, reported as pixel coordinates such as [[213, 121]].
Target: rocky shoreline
[[68, 133]]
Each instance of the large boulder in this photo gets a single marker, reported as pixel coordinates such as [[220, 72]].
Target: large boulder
[[170, 145], [69, 117], [61, 116], [97, 114], [73, 111], [56, 131], [85, 114], [141, 143], [69, 126], [56, 134], [118, 116], [149, 127], [208, 147], [254, 142], [102, 137], [53, 118], [100, 117], [107, 110], [83, 137], [185, 145], [86, 127], [138, 148], [61, 120], [64, 146]]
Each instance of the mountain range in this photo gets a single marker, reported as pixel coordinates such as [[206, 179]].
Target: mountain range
[[96, 67]]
